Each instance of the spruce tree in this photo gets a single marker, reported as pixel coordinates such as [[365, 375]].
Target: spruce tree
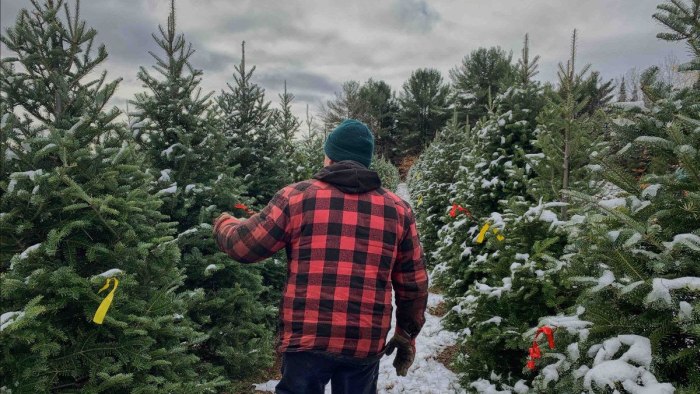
[[622, 93], [77, 210], [182, 141], [251, 139], [569, 135], [287, 123], [683, 19], [635, 271], [308, 151]]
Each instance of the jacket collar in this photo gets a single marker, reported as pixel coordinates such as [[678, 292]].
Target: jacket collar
[[349, 177]]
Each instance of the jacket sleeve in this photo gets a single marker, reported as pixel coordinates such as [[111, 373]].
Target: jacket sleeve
[[410, 280], [257, 238]]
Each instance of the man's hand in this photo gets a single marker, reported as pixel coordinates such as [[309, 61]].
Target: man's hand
[[406, 352]]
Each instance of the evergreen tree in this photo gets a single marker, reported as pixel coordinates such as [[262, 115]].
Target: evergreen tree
[[483, 74], [184, 145], [287, 123], [432, 181], [684, 22], [635, 271], [308, 151], [622, 93], [569, 135], [252, 142], [382, 109], [424, 109], [347, 104], [388, 173], [636, 261], [76, 211]]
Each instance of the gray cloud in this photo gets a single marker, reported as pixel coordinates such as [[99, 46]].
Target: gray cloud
[[297, 81], [416, 15], [316, 45]]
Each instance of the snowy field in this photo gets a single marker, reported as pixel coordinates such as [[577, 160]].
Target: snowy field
[[426, 375]]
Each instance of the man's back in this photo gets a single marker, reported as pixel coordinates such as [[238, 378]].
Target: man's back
[[348, 241]]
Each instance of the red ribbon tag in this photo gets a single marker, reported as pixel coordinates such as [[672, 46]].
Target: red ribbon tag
[[549, 333], [458, 208], [534, 351], [245, 208]]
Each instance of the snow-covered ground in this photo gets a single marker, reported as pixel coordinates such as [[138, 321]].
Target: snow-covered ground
[[426, 375]]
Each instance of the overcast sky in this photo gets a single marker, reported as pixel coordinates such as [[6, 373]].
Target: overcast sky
[[317, 45]]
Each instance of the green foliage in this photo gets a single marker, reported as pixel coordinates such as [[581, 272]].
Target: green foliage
[[382, 108], [76, 203], [483, 74], [431, 182], [388, 172], [683, 19], [251, 139], [308, 151], [180, 136], [499, 294], [629, 255], [569, 135], [425, 109]]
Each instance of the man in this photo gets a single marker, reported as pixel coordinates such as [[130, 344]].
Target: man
[[348, 241]]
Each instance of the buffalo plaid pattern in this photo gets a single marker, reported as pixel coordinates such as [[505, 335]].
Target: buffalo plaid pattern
[[345, 252]]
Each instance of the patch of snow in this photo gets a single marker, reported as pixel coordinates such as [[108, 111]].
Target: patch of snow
[[661, 288], [165, 175], [8, 318], [76, 126], [691, 241], [651, 191], [631, 368], [495, 320], [29, 250], [211, 268], [685, 310], [109, 273], [631, 287], [613, 235], [170, 190], [483, 386], [604, 281], [520, 387], [632, 240], [613, 203]]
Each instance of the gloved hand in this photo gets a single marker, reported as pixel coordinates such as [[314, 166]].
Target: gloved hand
[[405, 354]]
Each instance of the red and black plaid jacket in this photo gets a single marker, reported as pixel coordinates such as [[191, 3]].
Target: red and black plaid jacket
[[348, 241]]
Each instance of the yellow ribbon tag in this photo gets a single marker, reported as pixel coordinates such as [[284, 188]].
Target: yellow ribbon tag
[[482, 233], [104, 306], [499, 236], [420, 199]]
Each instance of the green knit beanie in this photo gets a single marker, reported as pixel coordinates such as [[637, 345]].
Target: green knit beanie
[[351, 140]]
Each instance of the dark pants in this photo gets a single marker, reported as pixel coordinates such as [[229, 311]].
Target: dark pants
[[309, 372]]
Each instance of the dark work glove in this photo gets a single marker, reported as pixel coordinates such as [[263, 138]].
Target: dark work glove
[[405, 353]]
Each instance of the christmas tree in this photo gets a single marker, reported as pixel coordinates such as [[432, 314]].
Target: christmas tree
[[251, 138], [638, 256], [179, 133], [78, 214]]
